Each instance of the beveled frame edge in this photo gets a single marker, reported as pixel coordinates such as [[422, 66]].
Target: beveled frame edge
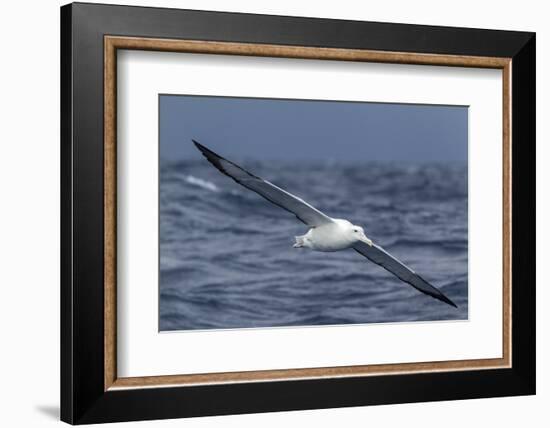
[[112, 43]]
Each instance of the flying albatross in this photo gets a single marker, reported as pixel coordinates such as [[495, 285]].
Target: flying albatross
[[325, 233]]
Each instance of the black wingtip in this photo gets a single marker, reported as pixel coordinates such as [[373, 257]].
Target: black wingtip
[[438, 295], [445, 299], [215, 159], [207, 153], [198, 145]]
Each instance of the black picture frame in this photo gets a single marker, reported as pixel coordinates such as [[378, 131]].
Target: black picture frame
[[83, 397]]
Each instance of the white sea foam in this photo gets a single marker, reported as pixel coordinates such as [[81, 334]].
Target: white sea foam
[[201, 183]]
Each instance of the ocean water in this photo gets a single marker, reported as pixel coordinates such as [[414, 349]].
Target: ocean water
[[226, 256]]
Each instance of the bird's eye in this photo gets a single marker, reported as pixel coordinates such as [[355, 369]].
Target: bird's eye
[[355, 230]]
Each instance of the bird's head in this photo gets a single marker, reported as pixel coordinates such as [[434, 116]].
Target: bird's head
[[356, 233]]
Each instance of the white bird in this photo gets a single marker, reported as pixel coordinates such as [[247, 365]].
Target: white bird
[[325, 233]]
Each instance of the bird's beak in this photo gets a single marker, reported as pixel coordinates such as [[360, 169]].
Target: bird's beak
[[366, 240]]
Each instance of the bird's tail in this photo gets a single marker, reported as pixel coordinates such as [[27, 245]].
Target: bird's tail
[[300, 241]]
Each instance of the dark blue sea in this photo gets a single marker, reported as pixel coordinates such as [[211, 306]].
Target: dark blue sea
[[226, 256]]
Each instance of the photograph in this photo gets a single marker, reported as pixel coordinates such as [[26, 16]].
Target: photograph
[[292, 212]]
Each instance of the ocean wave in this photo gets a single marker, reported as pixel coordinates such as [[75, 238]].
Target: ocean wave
[[226, 256]]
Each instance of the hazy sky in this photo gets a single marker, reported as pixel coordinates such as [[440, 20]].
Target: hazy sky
[[241, 128]]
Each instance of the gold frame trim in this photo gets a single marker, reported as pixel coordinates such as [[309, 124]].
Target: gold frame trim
[[112, 43]]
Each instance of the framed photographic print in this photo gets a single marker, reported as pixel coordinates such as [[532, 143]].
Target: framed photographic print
[[265, 213]]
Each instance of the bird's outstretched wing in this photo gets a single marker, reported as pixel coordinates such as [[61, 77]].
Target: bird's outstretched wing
[[301, 209], [381, 257]]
